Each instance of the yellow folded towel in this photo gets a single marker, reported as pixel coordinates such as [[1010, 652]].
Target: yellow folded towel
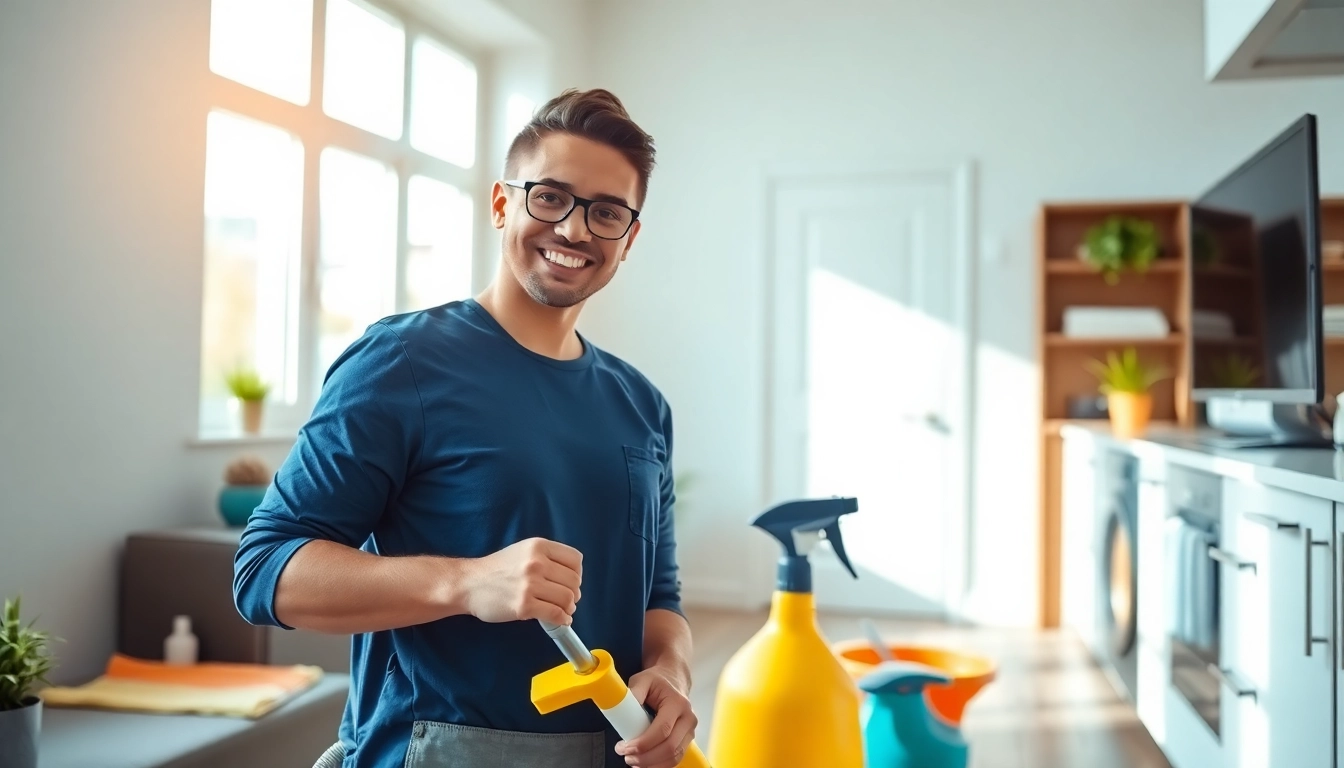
[[210, 688]]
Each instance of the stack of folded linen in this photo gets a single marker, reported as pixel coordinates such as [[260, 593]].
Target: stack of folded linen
[[209, 688], [1111, 322], [1332, 319]]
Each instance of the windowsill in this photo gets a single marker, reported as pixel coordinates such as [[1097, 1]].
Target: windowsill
[[221, 439]]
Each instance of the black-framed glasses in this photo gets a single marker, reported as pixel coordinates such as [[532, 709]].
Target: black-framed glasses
[[551, 204]]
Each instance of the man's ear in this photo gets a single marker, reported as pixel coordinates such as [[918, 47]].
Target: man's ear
[[630, 241], [498, 201]]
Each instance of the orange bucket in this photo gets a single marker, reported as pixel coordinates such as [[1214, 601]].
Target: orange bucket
[[969, 673]]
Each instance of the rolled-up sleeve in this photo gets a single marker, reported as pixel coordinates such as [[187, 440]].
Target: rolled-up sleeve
[[666, 592], [349, 462]]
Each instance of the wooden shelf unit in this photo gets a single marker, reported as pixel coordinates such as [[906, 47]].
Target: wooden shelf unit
[[1064, 280]]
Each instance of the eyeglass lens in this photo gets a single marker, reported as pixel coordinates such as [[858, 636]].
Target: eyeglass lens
[[550, 204]]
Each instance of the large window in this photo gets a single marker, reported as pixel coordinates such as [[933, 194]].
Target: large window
[[340, 161]]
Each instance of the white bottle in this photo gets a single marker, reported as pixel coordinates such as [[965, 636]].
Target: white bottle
[[180, 647]]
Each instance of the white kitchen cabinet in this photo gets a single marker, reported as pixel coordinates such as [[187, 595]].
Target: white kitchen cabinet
[[1278, 646]]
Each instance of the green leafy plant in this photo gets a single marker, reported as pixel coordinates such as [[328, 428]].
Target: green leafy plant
[[246, 385], [1121, 242], [1233, 372], [24, 658], [1124, 372]]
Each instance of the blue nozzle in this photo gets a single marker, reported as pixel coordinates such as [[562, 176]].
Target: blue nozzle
[[901, 677], [805, 516]]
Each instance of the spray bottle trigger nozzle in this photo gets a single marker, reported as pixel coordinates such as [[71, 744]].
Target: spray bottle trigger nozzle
[[838, 546]]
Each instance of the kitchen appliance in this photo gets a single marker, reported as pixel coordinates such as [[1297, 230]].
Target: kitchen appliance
[[1194, 568], [1117, 601], [1255, 255]]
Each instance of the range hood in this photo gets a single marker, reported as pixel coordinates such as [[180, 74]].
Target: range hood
[[1245, 39]]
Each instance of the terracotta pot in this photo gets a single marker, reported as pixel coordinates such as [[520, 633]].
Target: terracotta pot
[[252, 410], [1130, 413]]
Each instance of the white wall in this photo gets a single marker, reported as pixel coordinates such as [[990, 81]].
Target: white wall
[[101, 227], [1108, 102], [102, 140]]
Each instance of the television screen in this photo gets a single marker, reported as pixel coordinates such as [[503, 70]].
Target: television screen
[[1255, 303]]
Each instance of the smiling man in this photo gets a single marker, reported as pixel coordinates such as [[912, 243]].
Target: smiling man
[[474, 467]]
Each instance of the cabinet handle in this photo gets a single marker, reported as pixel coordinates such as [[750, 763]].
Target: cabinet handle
[[1269, 522], [1340, 554], [1224, 557], [1311, 639], [1224, 677]]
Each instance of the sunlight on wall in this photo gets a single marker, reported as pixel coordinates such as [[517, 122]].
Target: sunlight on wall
[[1004, 526], [870, 362]]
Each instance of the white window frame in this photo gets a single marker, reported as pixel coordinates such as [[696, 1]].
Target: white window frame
[[316, 131]]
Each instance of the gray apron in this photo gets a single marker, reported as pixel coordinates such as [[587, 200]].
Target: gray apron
[[446, 745]]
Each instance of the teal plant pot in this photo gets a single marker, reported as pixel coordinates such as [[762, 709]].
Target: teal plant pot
[[236, 503]]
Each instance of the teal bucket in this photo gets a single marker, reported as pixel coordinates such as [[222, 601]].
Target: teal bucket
[[236, 503]]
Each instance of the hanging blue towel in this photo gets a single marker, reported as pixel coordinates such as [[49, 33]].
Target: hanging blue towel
[[1201, 591], [1174, 576]]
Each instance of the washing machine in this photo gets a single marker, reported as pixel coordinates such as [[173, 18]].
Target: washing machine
[[1117, 603]]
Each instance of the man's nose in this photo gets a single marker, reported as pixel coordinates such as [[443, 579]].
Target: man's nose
[[574, 228]]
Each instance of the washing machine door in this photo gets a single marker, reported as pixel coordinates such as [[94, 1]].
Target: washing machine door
[[1120, 584]]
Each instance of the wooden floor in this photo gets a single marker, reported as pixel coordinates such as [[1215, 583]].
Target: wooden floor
[[1050, 706]]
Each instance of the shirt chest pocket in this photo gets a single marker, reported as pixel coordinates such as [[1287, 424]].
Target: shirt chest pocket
[[646, 474]]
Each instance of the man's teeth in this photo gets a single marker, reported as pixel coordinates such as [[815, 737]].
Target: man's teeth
[[563, 260]]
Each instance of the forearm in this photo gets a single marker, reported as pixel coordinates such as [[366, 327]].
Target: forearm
[[667, 644], [329, 587]]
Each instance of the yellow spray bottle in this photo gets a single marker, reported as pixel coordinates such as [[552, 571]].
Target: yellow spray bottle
[[783, 698]]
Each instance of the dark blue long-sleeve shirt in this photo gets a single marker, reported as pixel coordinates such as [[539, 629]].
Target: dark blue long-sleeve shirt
[[437, 433]]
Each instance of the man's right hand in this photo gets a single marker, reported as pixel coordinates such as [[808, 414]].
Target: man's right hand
[[533, 579]]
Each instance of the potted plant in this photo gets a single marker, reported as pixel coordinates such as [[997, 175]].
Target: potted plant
[[24, 662], [246, 479], [1118, 243], [1126, 381], [251, 391]]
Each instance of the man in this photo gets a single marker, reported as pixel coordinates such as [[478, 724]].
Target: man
[[474, 467]]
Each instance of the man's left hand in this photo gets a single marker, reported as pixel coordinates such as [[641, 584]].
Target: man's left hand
[[665, 743]]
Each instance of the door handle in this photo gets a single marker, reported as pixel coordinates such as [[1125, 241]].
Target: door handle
[[1222, 556], [1270, 522], [1224, 677], [931, 420], [1311, 640]]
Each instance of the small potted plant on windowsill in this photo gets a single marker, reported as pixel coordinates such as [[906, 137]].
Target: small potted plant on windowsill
[[1127, 382], [24, 663], [1119, 243], [251, 391], [246, 479]]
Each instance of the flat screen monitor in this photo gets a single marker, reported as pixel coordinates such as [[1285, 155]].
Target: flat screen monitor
[[1255, 281]]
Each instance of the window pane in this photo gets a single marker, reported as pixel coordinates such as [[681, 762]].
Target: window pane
[[253, 230], [357, 269], [443, 103], [365, 67], [264, 44], [517, 113], [438, 228]]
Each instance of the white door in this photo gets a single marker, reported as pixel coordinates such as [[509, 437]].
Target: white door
[[871, 278]]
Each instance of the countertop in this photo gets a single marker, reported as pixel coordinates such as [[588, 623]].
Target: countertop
[[1315, 472]]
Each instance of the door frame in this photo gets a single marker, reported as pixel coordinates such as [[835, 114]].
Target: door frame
[[781, 416]]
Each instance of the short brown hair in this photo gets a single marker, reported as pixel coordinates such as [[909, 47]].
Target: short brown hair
[[596, 115]]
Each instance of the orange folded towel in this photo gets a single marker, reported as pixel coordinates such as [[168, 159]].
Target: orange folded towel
[[207, 688]]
